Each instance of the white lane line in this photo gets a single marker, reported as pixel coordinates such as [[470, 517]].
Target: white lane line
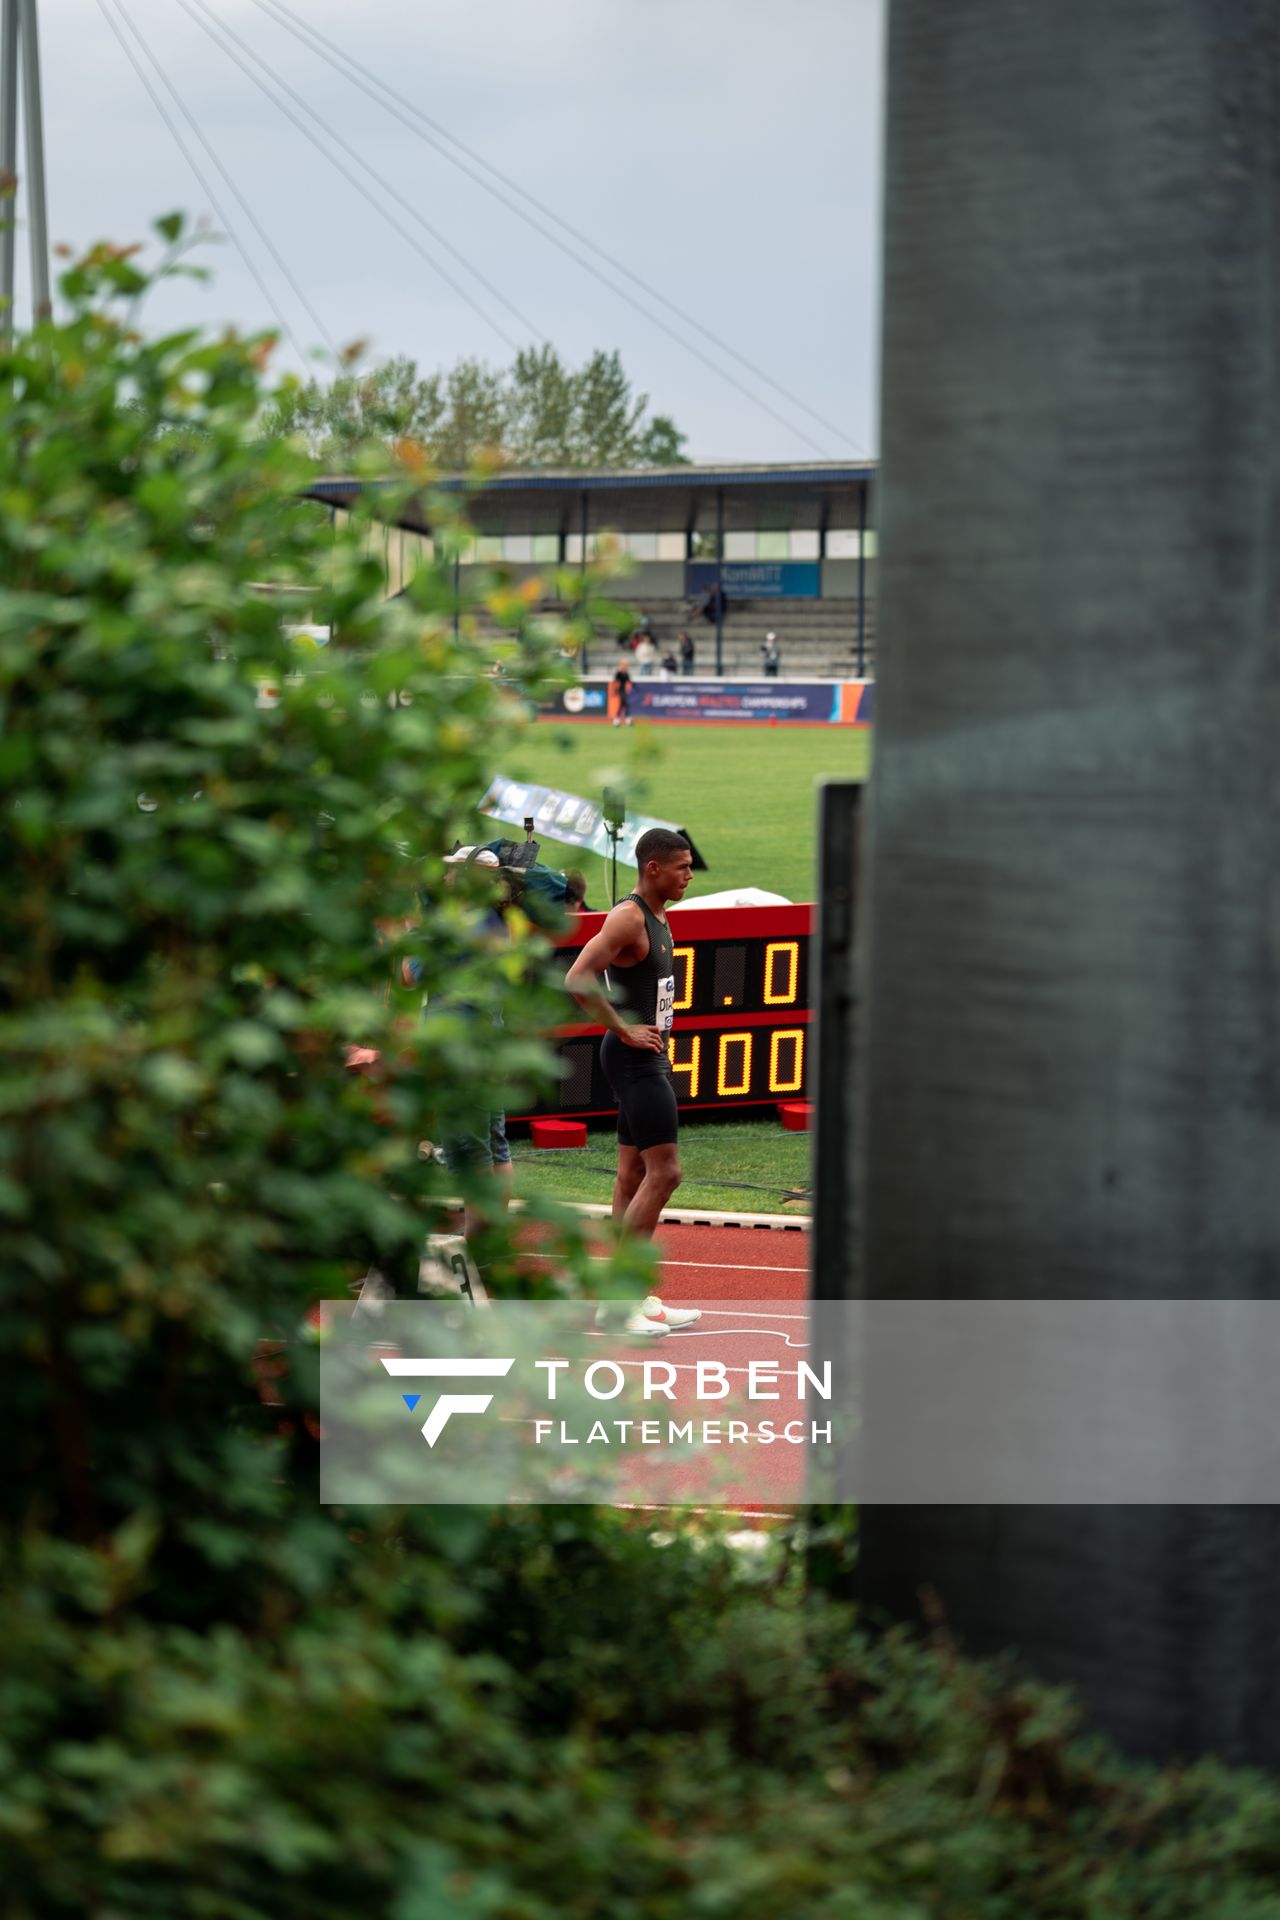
[[741, 1313], [687, 1366], [730, 1266], [708, 1266], [764, 1333]]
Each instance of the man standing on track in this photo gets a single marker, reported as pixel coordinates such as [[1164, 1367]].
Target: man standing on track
[[636, 948], [619, 698]]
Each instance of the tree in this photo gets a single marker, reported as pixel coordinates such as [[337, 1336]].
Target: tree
[[381, 404], [536, 413]]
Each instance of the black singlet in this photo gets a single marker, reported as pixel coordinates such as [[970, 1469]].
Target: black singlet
[[646, 991], [642, 1081]]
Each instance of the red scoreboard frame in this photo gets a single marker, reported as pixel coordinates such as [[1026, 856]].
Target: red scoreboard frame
[[742, 1014]]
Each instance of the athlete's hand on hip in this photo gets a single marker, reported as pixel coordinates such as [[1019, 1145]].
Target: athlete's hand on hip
[[647, 1039]]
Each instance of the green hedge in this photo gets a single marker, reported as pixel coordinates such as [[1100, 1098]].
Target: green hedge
[[219, 1701]]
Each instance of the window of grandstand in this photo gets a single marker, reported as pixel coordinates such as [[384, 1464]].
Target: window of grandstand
[[640, 546], [842, 543], [776, 543]]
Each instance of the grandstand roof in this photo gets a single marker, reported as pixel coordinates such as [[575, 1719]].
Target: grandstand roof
[[649, 499]]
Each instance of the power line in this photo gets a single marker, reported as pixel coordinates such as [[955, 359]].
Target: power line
[[194, 165], [259, 229], [386, 185], [382, 92]]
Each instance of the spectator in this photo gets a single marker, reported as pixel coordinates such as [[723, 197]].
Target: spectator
[[643, 627], [478, 1140], [646, 654], [620, 695], [716, 602], [772, 653], [669, 665], [575, 892], [686, 652]]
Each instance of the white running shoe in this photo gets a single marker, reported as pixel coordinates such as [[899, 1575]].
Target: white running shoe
[[643, 1322], [636, 1322], [673, 1319]]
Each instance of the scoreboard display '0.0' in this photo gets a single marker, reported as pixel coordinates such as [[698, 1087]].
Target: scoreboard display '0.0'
[[741, 1036]]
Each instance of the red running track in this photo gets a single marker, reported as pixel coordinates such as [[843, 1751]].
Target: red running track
[[733, 1263], [766, 1273]]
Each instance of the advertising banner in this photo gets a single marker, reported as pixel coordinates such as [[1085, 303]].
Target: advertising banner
[[736, 700], [567, 817], [842, 703]]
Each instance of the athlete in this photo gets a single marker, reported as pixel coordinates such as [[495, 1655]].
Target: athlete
[[635, 947], [619, 696]]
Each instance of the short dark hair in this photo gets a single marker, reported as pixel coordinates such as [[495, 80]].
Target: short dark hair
[[660, 844], [575, 884]]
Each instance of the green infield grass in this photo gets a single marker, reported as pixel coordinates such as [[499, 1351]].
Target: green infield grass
[[747, 794], [733, 1166]]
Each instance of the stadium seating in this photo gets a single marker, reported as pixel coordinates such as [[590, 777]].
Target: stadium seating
[[818, 638]]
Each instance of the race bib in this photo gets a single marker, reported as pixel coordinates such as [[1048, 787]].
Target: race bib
[[665, 1014]]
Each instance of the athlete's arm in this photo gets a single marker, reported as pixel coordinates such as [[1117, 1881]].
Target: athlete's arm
[[618, 938]]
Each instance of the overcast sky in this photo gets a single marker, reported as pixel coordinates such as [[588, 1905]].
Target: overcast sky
[[726, 151]]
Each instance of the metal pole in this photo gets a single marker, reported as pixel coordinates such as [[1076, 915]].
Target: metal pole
[[719, 581], [33, 115], [1068, 1070], [833, 1066], [8, 157], [862, 581]]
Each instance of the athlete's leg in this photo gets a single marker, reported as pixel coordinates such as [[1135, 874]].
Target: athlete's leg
[[500, 1149], [630, 1177], [661, 1178], [648, 1174]]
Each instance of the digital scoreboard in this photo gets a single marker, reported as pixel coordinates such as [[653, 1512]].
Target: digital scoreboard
[[741, 1034]]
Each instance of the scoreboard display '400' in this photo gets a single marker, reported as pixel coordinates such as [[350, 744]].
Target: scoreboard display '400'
[[741, 1035]]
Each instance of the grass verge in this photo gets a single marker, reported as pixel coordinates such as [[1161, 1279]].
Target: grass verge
[[748, 794], [739, 1166]]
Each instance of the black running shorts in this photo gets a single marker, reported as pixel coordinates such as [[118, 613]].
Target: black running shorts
[[645, 1090]]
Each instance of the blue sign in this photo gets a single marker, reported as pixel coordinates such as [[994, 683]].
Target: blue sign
[[757, 579]]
